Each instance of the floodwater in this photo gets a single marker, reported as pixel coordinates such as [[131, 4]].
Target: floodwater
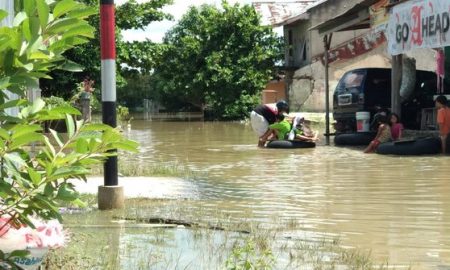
[[396, 208]]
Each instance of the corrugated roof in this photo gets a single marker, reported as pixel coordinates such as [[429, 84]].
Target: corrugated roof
[[275, 13]]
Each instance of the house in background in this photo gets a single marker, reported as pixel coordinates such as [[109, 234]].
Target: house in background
[[274, 14], [358, 41]]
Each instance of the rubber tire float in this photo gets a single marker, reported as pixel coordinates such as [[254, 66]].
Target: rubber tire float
[[354, 139], [285, 144], [424, 146]]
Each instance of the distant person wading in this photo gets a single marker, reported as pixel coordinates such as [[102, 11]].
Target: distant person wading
[[264, 115]]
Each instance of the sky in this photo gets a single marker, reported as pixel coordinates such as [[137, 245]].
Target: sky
[[156, 30]]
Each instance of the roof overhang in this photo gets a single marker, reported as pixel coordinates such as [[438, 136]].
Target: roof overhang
[[355, 18], [279, 13], [299, 17]]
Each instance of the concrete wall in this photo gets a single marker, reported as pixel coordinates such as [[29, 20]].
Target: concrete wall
[[314, 42], [301, 38], [306, 85], [307, 92], [274, 91]]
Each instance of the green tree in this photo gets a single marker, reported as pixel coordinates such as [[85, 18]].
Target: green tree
[[139, 86], [132, 57], [35, 44], [33, 182], [217, 59]]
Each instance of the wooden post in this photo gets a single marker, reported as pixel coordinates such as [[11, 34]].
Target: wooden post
[[396, 81], [327, 44]]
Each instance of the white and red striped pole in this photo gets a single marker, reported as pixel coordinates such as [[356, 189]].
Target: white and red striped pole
[[110, 195]]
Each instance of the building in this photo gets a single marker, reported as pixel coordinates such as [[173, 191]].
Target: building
[[358, 40]]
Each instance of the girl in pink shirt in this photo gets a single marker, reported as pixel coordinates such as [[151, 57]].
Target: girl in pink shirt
[[396, 127]]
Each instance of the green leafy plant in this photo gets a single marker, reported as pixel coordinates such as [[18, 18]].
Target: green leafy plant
[[136, 57], [53, 102], [247, 257], [33, 180], [33, 183], [123, 114], [43, 30], [59, 124], [215, 59]]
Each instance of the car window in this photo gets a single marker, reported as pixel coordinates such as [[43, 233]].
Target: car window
[[353, 79]]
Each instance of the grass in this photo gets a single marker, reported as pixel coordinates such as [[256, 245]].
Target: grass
[[130, 245], [137, 169]]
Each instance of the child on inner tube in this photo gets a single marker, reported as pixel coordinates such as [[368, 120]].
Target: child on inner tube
[[277, 130], [303, 132], [282, 128], [383, 134]]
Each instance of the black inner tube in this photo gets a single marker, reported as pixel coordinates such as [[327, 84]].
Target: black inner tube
[[285, 144], [421, 146], [354, 139]]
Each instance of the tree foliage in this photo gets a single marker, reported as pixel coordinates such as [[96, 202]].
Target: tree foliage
[[218, 59], [32, 182], [36, 42], [139, 87], [132, 57]]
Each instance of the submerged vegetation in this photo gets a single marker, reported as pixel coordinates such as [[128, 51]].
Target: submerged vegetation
[[128, 244], [160, 170]]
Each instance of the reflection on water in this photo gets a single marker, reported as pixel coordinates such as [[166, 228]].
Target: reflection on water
[[397, 207]]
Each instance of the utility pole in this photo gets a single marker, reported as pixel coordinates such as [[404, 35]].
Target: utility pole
[[327, 45], [396, 82], [110, 195]]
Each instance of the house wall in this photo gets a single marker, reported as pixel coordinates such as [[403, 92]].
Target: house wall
[[306, 85], [274, 91], [302, 37], [307, 91]]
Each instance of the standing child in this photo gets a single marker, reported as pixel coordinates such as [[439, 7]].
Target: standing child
[[396, 127], [443, 120], [383, 134]]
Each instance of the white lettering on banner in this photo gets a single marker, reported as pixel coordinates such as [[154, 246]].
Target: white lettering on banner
[[419, 24]]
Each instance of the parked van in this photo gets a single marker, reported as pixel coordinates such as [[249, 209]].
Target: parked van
[[367, 89]]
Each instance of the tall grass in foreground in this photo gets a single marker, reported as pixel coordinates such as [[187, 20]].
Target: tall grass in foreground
[[162, 170], [153, 248], [125, 240]]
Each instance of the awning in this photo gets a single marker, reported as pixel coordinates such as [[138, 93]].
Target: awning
[[282, 12], [355, 18]]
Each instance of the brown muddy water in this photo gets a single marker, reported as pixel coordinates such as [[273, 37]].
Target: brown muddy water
[[396, 208]]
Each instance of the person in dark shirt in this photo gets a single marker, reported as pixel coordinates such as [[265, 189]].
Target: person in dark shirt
[[264, 115]]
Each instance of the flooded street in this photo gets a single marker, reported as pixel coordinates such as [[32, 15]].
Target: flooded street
[[398, 208]]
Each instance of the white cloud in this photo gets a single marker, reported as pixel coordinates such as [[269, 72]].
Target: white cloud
[[156, 30]]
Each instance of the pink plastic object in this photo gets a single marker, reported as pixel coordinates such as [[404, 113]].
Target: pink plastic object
[[48, 234]]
